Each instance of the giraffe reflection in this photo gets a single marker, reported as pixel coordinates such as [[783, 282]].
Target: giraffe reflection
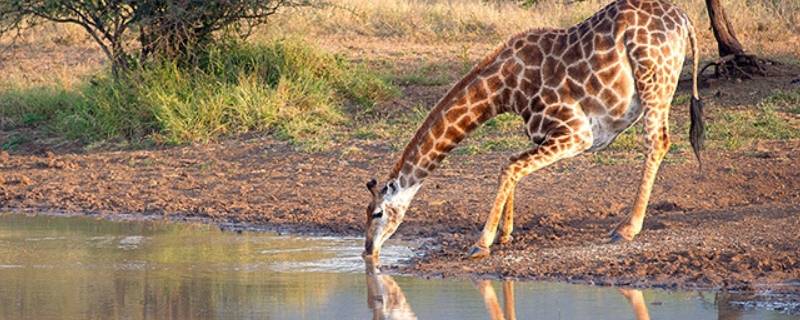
[[384, 296], [636, 300], [490, 300], [387, 301], [634, 297]]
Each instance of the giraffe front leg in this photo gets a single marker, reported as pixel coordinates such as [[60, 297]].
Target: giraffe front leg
[[490, 300], [508, 300], [657, 140], [636, 300], [559, 146], [481, 248], [508, 219]]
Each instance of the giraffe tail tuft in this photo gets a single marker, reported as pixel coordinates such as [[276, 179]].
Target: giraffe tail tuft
[[697, 127]]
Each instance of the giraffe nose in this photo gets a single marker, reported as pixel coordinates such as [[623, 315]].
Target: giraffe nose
[[368, 246]]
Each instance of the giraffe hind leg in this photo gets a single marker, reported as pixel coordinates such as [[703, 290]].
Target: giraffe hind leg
[[656, 71], [657, 140]]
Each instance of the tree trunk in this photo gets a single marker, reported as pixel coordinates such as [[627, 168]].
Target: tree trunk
[[723, 31], [733, 61]]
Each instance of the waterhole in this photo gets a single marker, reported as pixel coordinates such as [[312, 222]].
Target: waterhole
[[54, 267]]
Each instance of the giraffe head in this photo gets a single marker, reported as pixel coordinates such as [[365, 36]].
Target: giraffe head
[[384, 213]]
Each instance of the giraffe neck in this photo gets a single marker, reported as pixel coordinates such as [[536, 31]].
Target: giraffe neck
[[467, 105]]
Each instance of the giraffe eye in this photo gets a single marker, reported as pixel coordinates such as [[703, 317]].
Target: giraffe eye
[[377, 215]]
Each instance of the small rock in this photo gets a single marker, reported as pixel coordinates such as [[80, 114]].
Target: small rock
[[24, 180], [4, 156]]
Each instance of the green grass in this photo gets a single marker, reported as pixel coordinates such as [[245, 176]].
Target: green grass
[[288, 88], [628, 140], [739, 128], [12, 142], [502, 133], [681, 99], [785, 100], [432, 74], [396, 131], [606, 158]]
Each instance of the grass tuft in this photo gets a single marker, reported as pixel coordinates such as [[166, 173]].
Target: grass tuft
[[289, 88]]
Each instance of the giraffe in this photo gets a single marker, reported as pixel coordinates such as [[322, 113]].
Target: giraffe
[[636, 300], [576, 89], [384, 297], [508, 312]]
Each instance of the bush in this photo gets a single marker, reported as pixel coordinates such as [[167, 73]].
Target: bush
[[176, 30], [288, 88]]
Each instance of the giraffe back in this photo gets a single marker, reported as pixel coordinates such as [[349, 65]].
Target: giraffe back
[[606, 70]]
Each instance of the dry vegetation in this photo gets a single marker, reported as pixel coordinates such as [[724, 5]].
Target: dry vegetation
[[423, 46], [62, 53], [770, 27]]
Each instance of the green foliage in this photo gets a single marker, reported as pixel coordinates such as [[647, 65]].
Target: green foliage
[[288, 88]]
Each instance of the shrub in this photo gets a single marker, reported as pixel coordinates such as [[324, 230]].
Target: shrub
[[163, 29]]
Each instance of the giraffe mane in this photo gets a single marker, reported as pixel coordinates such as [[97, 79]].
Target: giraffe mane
[[445, 102]]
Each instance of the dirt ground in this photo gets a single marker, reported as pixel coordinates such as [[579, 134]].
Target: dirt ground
[[736, 226]]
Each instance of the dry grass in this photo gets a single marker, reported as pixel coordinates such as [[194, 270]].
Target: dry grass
[[48, 54], [767, 27], [63, 54]]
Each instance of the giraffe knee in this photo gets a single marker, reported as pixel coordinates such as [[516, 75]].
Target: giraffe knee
[[664, 138], [511, 174], [665, 144], [661, 147]]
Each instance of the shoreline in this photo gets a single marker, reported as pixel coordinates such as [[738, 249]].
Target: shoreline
[[407, 268]]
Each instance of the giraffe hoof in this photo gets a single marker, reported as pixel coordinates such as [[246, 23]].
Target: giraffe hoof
[[617, 237], [477, 252], [505, 239]]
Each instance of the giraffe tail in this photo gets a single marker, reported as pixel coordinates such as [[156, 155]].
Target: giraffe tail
[[697, 127]]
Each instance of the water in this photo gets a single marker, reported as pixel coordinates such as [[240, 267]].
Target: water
[[84, 268]]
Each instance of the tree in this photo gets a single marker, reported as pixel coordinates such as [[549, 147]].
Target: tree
[[733, 60], [172, 29]]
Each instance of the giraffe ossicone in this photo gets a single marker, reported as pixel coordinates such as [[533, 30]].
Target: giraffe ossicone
[[576, 89]]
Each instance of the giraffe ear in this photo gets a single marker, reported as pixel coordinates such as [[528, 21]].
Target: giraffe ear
[[371, 185]]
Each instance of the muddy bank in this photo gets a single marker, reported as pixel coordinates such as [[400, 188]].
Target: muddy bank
[[736, 226]]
